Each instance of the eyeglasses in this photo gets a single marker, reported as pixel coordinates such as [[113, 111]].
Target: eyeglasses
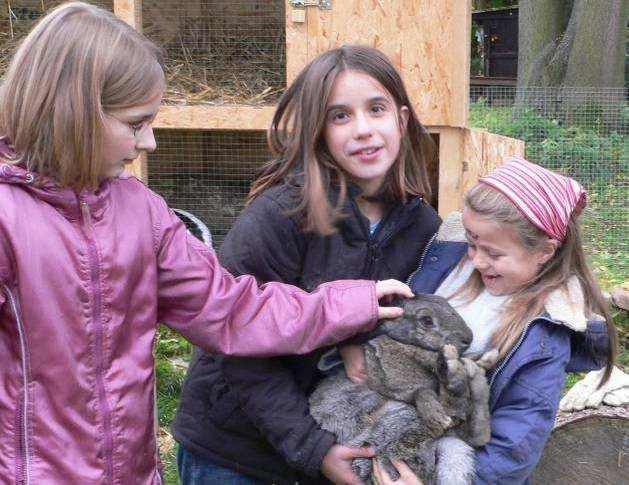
[[137, 127]]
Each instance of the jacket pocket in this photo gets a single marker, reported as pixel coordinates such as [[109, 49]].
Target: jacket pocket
[[222, 404]]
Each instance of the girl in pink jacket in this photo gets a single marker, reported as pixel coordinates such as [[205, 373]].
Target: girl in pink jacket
[[91, 260]]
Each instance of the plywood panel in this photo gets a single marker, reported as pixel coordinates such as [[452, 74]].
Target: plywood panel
[[427, 40], [465, 155], [451, 154], [296, 45], [484, 152], [498, 148], [215, 117]]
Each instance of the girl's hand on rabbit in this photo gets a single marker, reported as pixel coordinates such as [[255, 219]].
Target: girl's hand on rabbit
[[337, 464], [354, 361], [390, 288], [407, 477]]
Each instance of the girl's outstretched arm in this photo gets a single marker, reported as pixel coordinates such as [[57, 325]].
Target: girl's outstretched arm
[[220, 313]]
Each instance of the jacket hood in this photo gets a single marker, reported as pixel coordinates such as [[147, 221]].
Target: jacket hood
[[64, 199]]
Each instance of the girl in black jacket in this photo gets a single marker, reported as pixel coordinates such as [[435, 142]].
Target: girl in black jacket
[[345, 197]]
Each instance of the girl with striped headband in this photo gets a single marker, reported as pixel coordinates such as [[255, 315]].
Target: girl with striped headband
[[514, 268]]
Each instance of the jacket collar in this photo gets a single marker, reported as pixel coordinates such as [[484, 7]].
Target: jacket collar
[[565, 306], [64, 199]]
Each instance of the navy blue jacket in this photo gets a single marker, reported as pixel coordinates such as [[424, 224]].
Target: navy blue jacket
[[525, 386]]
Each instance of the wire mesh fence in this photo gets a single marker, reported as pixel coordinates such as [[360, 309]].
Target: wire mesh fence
[[207, 173], [220, 51], [17, 18], [578, 132]]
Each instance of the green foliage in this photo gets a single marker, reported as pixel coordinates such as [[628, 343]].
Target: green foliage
[[169, 347], [171, 351], [592, 154]]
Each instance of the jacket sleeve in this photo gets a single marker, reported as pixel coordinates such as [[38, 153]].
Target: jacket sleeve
[[220, 313], [590, 348], [265, 243], [522, 419], [272, 400]]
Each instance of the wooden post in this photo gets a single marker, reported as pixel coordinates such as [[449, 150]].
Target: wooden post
[[131, 12]]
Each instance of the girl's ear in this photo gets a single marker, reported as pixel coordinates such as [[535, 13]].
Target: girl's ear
[[404, 114], [548, 250]]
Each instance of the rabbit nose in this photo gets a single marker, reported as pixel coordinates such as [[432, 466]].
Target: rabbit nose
[[464, 337]]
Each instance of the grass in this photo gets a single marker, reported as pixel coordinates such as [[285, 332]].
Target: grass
[[171, 353]]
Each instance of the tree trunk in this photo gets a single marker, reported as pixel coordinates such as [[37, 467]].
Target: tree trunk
[[541, 24], [568, 44], [576, 43], [586, 447]]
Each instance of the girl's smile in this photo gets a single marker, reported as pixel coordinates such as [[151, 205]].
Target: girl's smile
[[497, 253]]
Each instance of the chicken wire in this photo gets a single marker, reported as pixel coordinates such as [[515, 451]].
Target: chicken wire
[[220, 51], [207, 173], [17, 18], [581, 133]]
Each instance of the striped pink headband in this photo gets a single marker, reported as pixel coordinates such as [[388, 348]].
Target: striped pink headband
[[546, 198]]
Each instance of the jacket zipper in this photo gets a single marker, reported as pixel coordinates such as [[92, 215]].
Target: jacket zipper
[[24, 470], [421, 259], [514, 349], [371, 247], [98, 339]]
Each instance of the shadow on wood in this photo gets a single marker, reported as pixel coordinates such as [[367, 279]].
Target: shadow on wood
[[587, 447]]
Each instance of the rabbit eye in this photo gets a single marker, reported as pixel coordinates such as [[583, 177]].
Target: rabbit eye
[[427, 321]]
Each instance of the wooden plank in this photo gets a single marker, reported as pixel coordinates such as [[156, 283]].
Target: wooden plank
[[223, 117], [465, 154], [427, 40], [483, 152], [296, 44], [130, 11], [451, 152]]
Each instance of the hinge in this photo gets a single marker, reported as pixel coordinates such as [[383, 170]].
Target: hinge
[[322, 4]]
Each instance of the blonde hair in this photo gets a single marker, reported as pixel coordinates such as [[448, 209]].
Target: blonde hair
[[568, 260], [296, 139], [78, 63]]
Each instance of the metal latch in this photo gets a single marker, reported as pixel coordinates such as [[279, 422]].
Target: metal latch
[[322, 4]]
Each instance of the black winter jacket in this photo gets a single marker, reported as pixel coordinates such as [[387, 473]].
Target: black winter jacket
[[251, 414]]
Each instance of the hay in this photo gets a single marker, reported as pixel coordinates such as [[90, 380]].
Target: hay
[[212, 56], [220, 52], [17, 18]]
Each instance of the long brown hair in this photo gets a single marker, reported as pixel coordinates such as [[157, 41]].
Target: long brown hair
[[568, 260], [77, 63], [298, 145]]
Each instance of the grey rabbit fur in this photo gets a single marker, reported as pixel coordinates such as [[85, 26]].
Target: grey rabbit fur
[[421, 402]]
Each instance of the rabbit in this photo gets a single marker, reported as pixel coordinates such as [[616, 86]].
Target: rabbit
[[421, 402]]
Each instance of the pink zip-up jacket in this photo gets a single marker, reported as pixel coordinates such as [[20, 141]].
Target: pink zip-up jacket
[[84, 280]]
